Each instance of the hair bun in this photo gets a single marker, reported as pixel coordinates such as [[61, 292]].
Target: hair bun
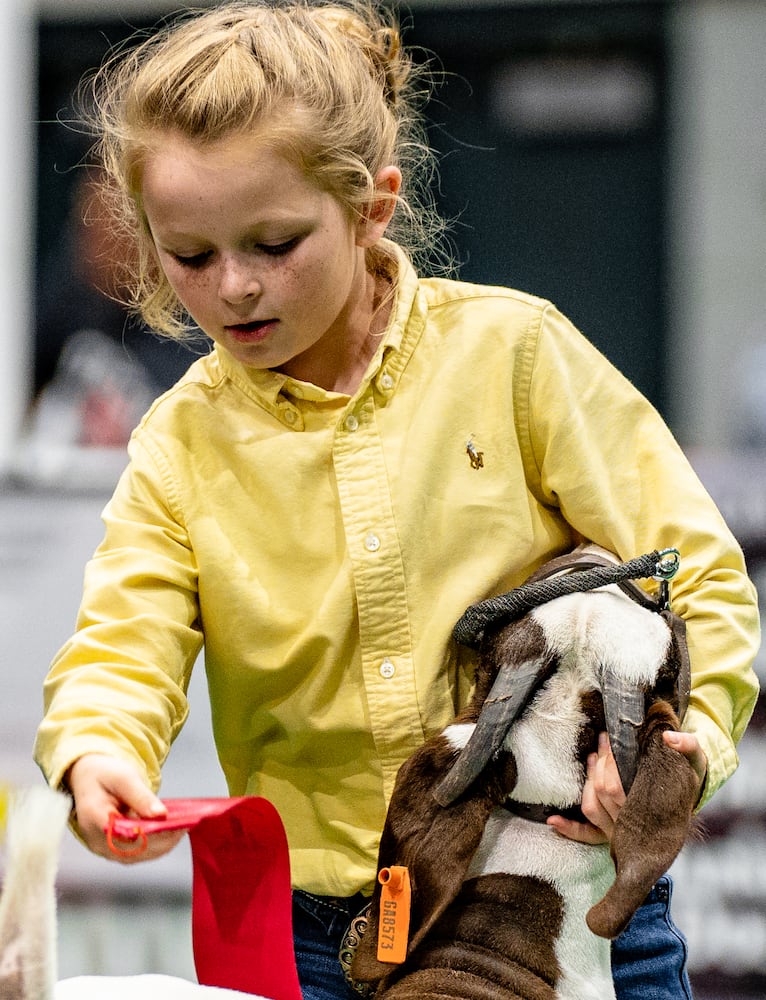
[[381, 43], [392, 60]]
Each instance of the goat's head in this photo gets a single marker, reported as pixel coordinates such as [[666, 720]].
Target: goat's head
[[626, 664], [611, 663], [611, 646]]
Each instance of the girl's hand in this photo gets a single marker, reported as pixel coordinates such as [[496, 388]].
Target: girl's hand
[[102, 785], [603, 795]]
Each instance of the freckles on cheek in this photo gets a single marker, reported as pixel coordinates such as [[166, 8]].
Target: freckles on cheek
[[321, 280], [190, 288], [300, 280]]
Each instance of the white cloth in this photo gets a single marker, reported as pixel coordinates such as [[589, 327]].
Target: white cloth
[[139, 988]]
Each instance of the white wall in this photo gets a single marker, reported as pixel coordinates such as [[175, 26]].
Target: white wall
[[17, 79], [718, 192]]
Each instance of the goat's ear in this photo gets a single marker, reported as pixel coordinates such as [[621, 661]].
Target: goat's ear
[[436, 844], [652, 825]]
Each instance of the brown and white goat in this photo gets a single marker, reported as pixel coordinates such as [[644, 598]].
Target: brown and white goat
[[502, 905]]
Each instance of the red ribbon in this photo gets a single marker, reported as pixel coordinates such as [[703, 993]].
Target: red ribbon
[[241, 897]]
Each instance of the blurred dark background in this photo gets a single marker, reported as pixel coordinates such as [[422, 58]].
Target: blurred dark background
[[550, 126]]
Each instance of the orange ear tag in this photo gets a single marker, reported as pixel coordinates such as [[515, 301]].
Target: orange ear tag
[[394, 924]]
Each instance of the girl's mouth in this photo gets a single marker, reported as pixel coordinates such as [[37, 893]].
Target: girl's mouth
[[251, 333]]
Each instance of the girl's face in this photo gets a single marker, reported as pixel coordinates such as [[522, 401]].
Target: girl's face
[[266, 263]]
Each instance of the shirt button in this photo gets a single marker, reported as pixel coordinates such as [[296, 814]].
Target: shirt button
[[372, 542], [351, 422], [290, 417], [386, 381], [387, 669]]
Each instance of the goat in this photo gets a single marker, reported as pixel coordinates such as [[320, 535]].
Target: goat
[[502, 905]]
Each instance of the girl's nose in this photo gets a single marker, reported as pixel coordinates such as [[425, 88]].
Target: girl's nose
[[238, 280]]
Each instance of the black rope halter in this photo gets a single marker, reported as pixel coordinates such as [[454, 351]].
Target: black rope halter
[[496, 611]]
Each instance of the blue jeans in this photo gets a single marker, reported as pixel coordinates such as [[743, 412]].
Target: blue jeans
[[648, 958], [319, 926]]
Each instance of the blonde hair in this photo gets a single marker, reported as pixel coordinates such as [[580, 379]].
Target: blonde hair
[[328, 84]]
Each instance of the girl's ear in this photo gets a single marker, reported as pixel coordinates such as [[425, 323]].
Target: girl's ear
[[373, 225]]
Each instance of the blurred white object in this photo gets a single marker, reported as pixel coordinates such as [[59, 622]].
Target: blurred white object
[[749, 398], [139, 988], [82, 419], [37, 818]]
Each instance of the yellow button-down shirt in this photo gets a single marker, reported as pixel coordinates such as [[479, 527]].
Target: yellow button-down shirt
[[323, 546]]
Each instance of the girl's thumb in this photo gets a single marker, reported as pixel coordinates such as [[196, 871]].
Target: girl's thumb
[[142, 800]]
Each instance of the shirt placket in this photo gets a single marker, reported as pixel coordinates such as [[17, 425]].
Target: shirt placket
[[381, 593]]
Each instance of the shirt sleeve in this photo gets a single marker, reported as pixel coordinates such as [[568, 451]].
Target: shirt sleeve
[[600, 452], [118, 686]]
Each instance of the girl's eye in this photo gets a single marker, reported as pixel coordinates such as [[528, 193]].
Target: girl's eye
[[279, 249], [198, 260], [194, 261]]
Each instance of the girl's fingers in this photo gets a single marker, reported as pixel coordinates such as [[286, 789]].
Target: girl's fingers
[[688, 745], [599, 810], [585, 833], [101, 786], [599, 827], [603, 795]]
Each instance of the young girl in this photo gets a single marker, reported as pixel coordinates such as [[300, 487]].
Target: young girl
[[363, 454]]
